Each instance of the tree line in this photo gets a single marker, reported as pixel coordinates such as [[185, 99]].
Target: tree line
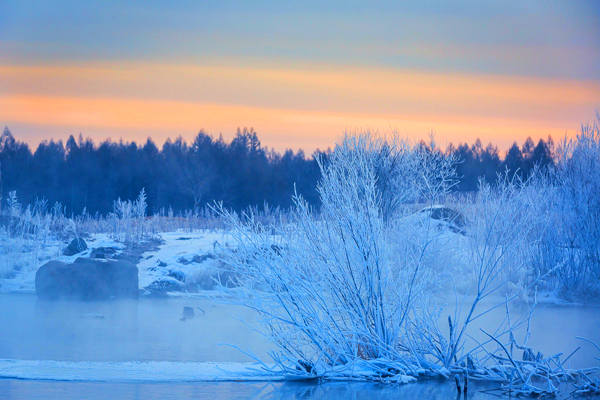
[[82, 175]]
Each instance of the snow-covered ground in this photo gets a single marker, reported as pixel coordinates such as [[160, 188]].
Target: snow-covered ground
[[183, 262], [180, 262], [20, 259]]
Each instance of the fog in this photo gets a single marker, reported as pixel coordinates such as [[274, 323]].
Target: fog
[[153, 329], [125, 330]]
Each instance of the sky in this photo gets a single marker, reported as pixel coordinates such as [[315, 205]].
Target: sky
[[300, 73]]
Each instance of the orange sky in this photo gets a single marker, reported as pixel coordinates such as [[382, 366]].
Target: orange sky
[[299, 73], [300, 106]]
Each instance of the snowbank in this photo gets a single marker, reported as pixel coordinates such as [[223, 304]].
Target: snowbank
[[133, 371], [184, 261]]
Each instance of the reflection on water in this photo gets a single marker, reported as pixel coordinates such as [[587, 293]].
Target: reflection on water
[[43, 390]]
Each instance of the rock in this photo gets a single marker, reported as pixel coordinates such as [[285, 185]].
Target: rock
[[201, 280], [183, 260], [201, 258], [175, 274], [103, 252], [188, 313], [77, 245], [211, 279], [130, 255], [161, 287], [455, 219], [87, 279]]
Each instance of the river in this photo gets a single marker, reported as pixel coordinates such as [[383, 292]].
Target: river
[[99, 336]]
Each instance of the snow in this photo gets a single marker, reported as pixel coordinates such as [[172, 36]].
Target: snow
[[185, 259], [448, 251], [134, 371], [20, 259]]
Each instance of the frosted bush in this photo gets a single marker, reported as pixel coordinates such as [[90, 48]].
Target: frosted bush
[[570, 248], [355, 291], [129, 219], [343, 286]]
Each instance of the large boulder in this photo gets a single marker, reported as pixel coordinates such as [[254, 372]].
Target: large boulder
[[77, 245], [87, 279]]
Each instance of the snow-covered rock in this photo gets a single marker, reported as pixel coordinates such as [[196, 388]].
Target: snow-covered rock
[[20, 259], [184, 261], [87, 279]]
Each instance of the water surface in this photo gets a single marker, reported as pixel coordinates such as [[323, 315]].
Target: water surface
[[154, 330], [126, 330]]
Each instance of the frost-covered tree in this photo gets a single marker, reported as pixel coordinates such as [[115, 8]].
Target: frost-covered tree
[[572, 247], [342, 286]]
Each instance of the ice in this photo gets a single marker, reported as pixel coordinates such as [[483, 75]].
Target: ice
[[134, 371]]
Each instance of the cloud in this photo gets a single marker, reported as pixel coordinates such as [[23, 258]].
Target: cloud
[[289, 107]]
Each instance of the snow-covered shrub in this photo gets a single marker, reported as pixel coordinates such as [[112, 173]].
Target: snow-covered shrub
[[405, 174], [579, 192], [503, 228], [546, 229], [33, 222], [570, 248], [490, 267], [129, 219], [353, 292], [344, 286]]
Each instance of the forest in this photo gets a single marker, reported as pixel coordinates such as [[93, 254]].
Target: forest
[[389, 273], [86, 176]]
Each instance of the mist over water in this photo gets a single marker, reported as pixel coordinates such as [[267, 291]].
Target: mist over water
[[152, 329], [148, 329]]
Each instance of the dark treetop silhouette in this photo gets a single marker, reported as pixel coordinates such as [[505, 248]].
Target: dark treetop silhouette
[[242, 173]]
